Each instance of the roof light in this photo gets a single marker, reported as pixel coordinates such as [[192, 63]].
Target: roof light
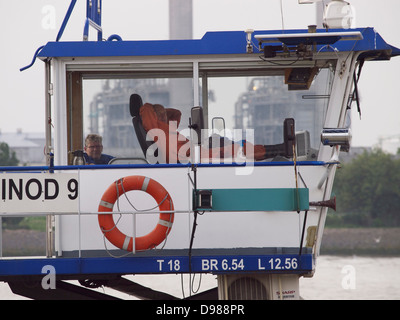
[[338, 14]]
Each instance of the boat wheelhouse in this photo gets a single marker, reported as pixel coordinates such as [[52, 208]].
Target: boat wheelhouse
[[252, 222]]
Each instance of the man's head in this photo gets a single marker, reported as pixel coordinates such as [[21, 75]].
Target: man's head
[[94, 146]]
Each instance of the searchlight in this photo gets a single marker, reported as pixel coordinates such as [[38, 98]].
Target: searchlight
[[338, 14]]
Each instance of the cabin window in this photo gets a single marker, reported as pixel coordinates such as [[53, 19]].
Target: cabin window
[[259, 100], [262, 103]]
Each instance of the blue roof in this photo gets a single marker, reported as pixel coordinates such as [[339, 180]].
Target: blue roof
[[223, 42]]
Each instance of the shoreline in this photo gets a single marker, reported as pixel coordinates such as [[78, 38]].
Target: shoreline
[[361, 241]]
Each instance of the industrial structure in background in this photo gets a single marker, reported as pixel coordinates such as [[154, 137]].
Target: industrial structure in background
[[112, 103]]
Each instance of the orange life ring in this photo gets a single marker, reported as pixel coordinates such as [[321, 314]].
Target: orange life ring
[[157, 191]]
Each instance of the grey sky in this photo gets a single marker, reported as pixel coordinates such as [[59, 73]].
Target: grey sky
[[28, 24]]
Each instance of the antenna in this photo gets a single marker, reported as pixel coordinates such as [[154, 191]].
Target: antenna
[[283, 24]]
